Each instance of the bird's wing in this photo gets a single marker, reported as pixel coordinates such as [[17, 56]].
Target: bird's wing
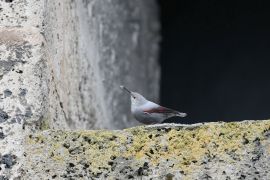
[[159, 109], [151, 107]]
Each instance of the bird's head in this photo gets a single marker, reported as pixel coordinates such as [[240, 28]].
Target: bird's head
[[136, 98]]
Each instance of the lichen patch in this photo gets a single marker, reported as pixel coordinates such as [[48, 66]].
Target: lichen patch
[[141, 151]]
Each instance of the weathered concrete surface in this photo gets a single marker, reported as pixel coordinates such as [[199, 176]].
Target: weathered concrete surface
[[23, 79], [95, 46], [210, 151], [61, 64], [23, 92], [21, 13]]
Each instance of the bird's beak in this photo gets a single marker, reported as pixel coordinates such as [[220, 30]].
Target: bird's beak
[[127, 90]]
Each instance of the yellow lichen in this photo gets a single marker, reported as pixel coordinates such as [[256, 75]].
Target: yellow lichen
[[186, 147], [45, 125]]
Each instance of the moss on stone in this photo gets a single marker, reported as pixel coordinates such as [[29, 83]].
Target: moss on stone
[[181, 148], [45, 125]]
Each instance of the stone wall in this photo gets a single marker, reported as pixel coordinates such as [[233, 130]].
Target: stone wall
[[23, 90], [61, 64], [94, 47]]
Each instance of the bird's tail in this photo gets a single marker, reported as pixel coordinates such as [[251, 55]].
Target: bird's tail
[[180, 114]]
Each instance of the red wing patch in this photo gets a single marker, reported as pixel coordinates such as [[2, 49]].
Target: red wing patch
[[159, 110]]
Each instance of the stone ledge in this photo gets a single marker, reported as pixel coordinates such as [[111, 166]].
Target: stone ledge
[[235, 150]]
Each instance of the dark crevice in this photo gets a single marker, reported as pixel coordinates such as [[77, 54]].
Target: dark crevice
[[214, 60]]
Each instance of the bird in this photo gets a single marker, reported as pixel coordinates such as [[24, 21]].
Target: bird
[[148, 112]]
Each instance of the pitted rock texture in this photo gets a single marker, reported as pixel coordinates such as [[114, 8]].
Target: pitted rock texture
[[61, 64], [237, 150], [23, 79], [23, 13], [95, 46], [23, 92]]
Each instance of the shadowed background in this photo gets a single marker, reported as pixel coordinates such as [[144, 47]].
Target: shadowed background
[[215, 60]]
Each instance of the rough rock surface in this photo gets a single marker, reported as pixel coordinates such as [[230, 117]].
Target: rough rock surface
[[237, 150], [23, 79], [61, 64], [95, 46], [23, 92]]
